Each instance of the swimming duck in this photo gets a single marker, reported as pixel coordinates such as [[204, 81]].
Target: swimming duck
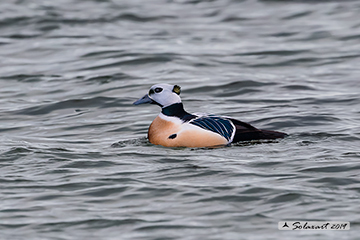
[[174, 127]]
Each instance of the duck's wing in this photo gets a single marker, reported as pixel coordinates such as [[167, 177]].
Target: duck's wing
[[234, 130], [216, 124]]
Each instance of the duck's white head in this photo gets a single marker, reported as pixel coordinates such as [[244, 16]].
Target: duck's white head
[[161, 94]]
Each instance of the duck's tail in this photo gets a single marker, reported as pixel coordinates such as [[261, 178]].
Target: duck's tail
[[246, 132], [269, 134], [258, 134]]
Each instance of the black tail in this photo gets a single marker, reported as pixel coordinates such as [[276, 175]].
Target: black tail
[[257, 135], [269, 134], [246, 132]]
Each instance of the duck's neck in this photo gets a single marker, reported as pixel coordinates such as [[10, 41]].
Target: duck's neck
[[177, 110]]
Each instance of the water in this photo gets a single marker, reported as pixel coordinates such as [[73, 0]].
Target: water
[[75, 161]]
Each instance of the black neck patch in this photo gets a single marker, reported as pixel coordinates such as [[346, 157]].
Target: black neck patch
[[177, 110]]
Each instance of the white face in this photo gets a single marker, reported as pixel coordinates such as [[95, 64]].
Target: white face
[[165, 94]]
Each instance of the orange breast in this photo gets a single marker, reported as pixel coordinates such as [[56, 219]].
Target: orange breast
[[192, 136]]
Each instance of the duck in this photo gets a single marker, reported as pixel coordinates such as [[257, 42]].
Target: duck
[[175, 127]]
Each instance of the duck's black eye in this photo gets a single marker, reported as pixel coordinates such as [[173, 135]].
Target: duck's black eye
[[158, 89]]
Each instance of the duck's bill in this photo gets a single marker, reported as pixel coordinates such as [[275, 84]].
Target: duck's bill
[[144, 99]]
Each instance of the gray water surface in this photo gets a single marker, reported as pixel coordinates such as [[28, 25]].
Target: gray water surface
[[75, 162]]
